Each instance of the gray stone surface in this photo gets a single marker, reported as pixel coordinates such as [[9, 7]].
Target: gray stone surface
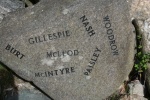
[[28, 92], [71, 49], [139, 9], [9, 6], [29, 95], [25, 90]]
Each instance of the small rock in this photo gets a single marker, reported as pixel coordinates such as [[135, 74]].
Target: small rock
[[135, 87], [28, 92], [140, 9], [133, 97]]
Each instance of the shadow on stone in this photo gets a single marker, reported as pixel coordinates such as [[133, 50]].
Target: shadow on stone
[[30, 2], [34, 1], [9, 90]]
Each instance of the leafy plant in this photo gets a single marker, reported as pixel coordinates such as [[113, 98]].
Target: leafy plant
[[141, 58]]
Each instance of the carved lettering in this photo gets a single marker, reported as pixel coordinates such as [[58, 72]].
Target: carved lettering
[[87, 26], [111, 36], [14, 51], [93, 61], [49, 37], [62, 71], [62, 53]]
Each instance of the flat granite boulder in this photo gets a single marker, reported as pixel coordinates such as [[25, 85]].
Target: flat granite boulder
[[70, 49]]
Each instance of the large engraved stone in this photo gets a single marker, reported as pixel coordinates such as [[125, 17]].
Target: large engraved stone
[[71, 49]]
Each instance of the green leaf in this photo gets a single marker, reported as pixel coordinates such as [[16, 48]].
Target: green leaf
[[136, 65], [139, 46], [139, 36], [146, 68], [143, 61], [139, 53], [140, 71]]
